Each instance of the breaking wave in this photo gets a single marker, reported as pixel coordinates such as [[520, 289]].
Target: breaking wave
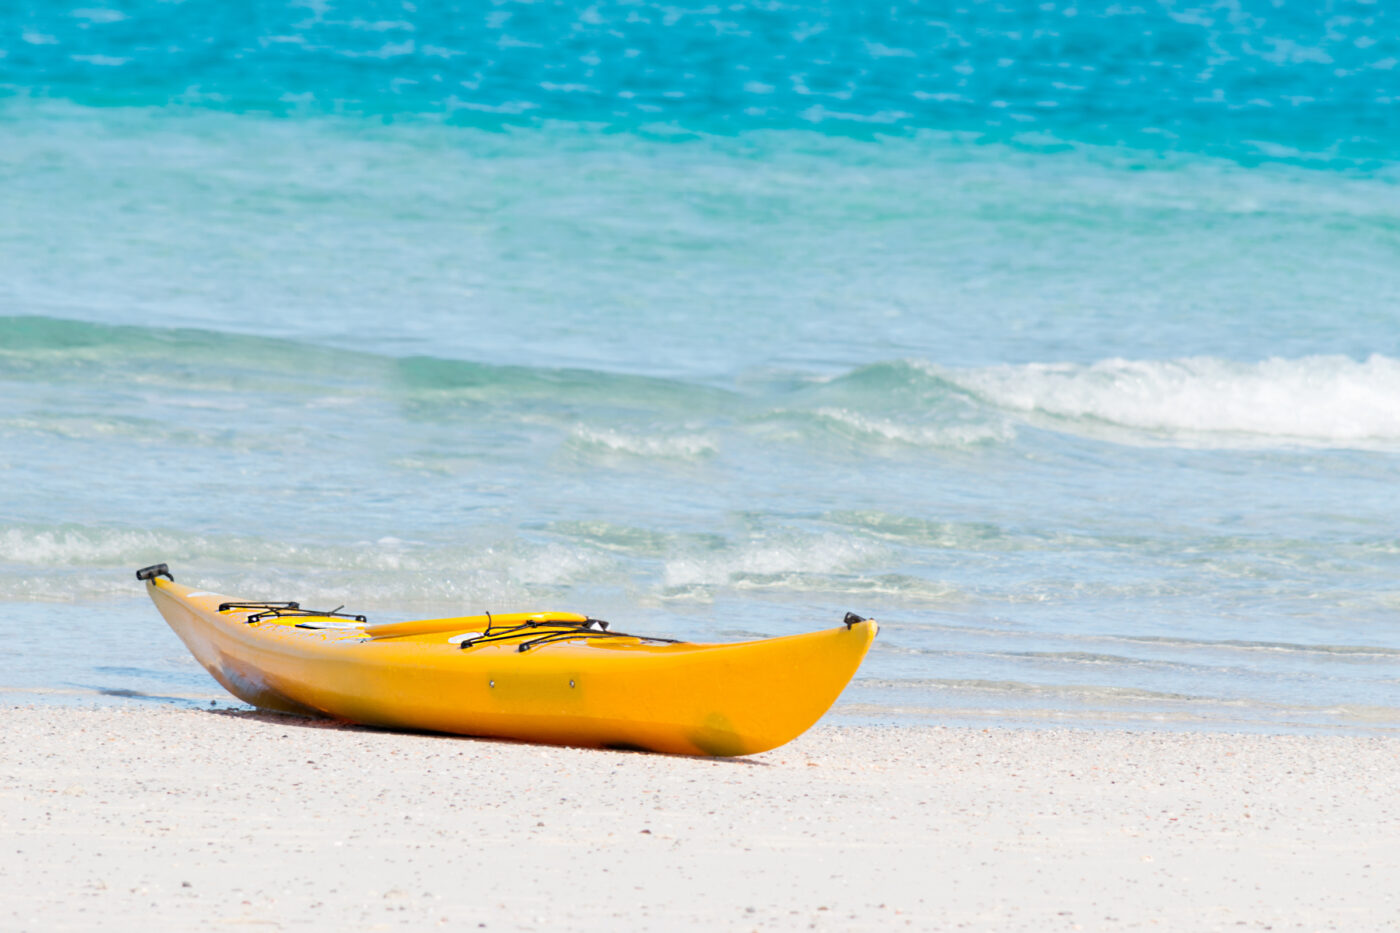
[[1318, 401], [1332, 401]]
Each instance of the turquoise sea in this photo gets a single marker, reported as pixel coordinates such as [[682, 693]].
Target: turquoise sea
[[1063, 338]]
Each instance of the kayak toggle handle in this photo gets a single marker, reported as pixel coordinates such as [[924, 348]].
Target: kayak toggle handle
[[153, 571], [851, 619]]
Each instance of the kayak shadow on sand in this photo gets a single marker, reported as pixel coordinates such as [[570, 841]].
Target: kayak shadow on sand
[[125, 693], [294, 720]]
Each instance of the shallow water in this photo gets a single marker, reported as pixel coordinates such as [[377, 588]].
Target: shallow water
[[1101, 423]]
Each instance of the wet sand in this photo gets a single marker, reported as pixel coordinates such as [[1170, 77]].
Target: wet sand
[[170, 818]]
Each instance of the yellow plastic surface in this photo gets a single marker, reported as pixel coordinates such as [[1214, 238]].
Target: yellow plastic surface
[[690, 699]]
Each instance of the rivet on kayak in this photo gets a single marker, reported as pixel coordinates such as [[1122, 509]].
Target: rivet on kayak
[[491, 682], [571, 683]]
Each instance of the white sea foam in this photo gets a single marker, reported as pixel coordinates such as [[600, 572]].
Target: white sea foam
[[80, 562], [663, 446], [1331, 401], [917, 435], [770, 561]]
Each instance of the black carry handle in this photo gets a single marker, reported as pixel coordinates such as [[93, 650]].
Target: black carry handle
[[851, 619], [153, 571]]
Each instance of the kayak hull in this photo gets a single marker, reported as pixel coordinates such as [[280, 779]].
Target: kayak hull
[[616, 692]]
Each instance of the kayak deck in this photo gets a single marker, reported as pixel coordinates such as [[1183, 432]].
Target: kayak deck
[[551, 677]]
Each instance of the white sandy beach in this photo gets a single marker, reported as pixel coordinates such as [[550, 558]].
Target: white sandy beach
[[130, 819]]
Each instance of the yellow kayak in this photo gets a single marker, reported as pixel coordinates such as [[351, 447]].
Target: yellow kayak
[[553, 677]]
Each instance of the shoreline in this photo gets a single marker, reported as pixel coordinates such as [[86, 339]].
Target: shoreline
[[135, 657], [844, 715], [196, 819]]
